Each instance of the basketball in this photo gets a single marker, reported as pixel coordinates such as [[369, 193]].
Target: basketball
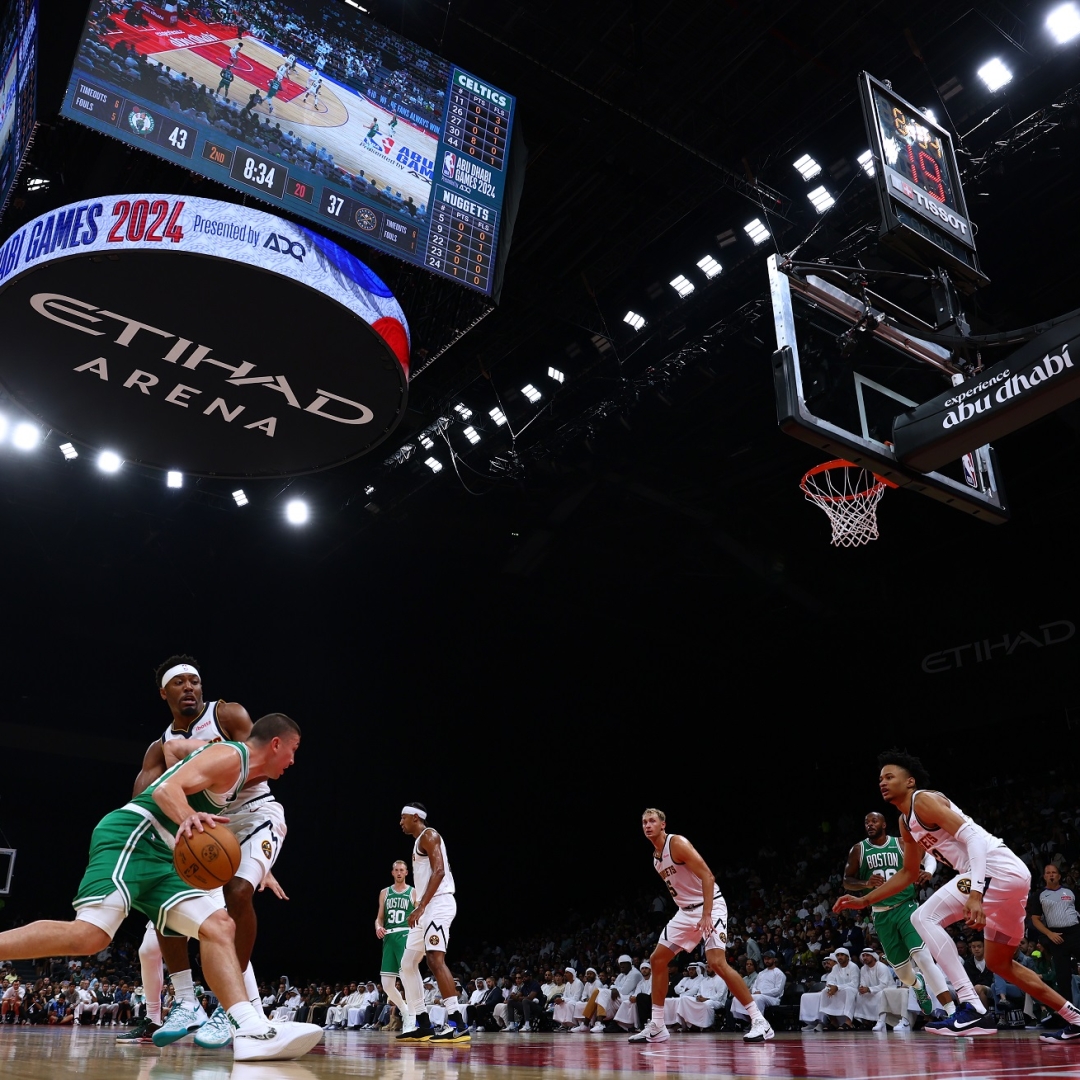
[[208, 859]]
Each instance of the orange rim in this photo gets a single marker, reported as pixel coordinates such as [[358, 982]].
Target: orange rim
[[842, 463]]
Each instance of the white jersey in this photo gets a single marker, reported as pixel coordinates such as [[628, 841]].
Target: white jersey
[[421, 868], [207, 728], [684, 886], [945, 848]]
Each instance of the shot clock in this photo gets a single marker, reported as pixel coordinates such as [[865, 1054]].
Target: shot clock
[[924, 214]]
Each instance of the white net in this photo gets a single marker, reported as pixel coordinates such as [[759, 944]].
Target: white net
[[849, 494]]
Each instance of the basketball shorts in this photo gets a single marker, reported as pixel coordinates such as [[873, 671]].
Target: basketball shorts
[[1004, 903], [682, 933], [393, 949], [899, 939], [432, 933], [131, 866], [259, 826]]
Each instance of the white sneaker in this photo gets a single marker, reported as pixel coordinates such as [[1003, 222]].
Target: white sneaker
[[597, 1029], [285, 1040], [902, 1027], [217, 1032], [580, 1028], [182, 1020], [880, 1026], [760, 1030], [654, 1032]]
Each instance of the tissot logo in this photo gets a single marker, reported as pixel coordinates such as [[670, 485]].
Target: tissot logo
[[244, 359]]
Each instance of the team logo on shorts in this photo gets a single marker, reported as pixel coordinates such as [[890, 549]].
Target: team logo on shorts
[[964, 885], [434, 939], [267, 849], [140, 121]]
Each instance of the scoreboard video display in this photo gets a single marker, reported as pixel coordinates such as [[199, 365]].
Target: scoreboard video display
[[18, 97], [315, 109]]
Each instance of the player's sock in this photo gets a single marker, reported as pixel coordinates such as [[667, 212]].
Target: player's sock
[[658, 1015], [251, 987], [184, 987], [389, 985], [153, 974], [1070, 1013], [932, 974], [246, 1019], [753, 1011], [944, 952], [411, 981]]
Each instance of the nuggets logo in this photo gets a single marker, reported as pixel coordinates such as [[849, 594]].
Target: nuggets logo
[[449, 165], [721, 935], [964, 885], [433, 940], [267, 849]]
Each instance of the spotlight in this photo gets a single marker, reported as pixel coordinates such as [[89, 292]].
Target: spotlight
[[556, 374], [710, 266], [635, 320], [69, 451], [370, 489], [1064, 23], [463, 411], [821, 199], [682, 285], [434, 464], [498, 416], [866, 160], [756, 231], [26, 436], [472, 435], [108, 461], [995, 74], [239, 497], [531, 393], [807, 166], [426, 442], [175, 479], [3, 428], [296, 512]]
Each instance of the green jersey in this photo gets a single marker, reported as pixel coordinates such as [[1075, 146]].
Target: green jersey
[[884, 859], [397, 907]]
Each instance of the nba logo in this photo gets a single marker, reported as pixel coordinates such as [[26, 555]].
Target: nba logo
[[449, 164], [970, 475]]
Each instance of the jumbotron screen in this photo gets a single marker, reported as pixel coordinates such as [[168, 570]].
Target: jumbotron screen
[[316, 110], [18, 80]]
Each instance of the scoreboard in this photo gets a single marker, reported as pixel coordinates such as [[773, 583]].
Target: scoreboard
[[922, 202], [400, 149]]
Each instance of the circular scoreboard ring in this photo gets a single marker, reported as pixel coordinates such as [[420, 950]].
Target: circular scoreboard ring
[[208, 337]]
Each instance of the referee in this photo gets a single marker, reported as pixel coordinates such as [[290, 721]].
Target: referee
[[1060, 925]]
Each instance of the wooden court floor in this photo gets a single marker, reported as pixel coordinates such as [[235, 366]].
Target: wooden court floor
[[47, 1054]]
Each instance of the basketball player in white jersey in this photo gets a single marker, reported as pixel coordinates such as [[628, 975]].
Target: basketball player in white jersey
[[282, 71], [258, 822], [702, 918], [429, 932], [989, 893], [313, 87]]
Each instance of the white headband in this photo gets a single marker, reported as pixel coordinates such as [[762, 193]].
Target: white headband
[[179, 669], [421, 814]]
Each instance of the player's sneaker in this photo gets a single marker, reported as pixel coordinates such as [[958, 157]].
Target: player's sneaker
[[140, 1034], [760, 1030], [217, 1032], [287, 1040], [922, 997], [652, 1033], [450, 1034], [1069, 1031], [182, 1020], [967, 1020], [416, 1034]]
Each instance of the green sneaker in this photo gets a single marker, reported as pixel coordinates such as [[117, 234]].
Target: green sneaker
[[217, 1032], [141, 1033], [921, 996]]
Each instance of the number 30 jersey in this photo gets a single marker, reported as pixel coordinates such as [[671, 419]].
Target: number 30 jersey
[[684, 886]]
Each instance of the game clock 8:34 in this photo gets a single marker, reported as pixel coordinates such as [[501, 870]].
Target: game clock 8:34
[[259, 172]]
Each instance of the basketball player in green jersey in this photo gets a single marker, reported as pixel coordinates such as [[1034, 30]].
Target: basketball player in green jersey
[[396, 904], [870, 863]]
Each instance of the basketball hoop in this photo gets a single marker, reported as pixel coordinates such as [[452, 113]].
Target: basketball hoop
[[849, 494]]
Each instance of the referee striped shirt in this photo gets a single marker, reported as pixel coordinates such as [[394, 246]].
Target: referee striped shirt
[[1059, 908]]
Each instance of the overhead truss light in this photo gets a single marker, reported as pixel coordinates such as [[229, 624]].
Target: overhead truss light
[[108, 461], [710, 266], [682, 285], [756, 231], [995, 74], [26, 436], [498, 416], [807, 166], [556, 374], [434, 464], [175, 479], [296, 512], [531, 393], [463, 411], [472, 434], [866, 160], [69, 451], [426, 442], [239, 497], [1064, 23], [369, 489], [821, 199], [635, 320]]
